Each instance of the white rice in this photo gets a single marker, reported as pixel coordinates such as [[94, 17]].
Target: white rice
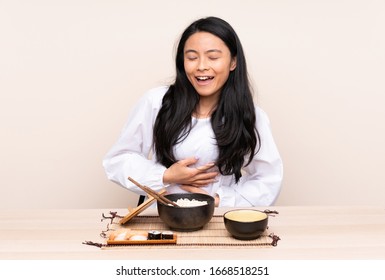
[[185, 202]]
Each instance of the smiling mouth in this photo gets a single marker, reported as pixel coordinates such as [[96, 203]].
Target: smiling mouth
[[204, 78]]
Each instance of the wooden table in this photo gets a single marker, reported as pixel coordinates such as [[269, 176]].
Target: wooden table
[[311, 232]]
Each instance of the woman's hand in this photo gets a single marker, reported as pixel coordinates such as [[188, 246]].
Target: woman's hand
[[181, 173]]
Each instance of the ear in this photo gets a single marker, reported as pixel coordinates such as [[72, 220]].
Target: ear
[[233, 63]]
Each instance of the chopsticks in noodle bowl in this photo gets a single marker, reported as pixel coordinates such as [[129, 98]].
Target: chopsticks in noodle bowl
[[154, 194]]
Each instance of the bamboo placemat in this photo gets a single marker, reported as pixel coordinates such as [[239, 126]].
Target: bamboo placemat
[[213, 234]]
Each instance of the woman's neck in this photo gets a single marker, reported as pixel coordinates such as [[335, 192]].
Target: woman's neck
[[205, 108]]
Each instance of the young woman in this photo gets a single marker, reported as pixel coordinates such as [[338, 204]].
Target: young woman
[[203, 133]]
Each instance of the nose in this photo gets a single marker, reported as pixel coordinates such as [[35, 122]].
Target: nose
[[203, 65]]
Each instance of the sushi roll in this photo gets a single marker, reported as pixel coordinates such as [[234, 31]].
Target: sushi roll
[[167, 235], [154, 235]]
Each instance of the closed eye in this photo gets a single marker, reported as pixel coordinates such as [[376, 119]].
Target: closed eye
[[191, 58]]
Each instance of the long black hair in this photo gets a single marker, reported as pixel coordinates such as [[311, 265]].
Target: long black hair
[[233, 120]]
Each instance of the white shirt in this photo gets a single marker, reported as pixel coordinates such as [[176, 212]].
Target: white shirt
[[131, 156]]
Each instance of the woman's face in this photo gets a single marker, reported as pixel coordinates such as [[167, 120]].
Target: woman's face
[[207, 63]]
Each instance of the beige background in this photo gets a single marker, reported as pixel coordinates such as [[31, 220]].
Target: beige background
[[71, 70]]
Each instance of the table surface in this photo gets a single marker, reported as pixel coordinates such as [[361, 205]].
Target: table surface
[[306, 232]]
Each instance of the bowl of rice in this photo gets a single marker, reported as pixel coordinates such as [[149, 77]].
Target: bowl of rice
[[195, 211]]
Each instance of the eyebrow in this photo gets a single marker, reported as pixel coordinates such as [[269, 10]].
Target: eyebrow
[[208, 51]]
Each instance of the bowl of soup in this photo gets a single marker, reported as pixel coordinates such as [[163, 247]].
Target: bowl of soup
[[245, 224]]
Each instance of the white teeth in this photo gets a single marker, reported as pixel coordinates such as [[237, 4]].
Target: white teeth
[[204, 78]]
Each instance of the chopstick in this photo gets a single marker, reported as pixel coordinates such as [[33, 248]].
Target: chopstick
[[154, 194]]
